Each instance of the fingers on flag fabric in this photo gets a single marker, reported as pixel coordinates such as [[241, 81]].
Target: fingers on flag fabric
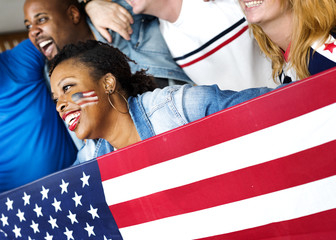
[[264, 169]]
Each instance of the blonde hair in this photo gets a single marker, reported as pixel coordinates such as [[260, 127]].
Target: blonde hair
[[313, 20]]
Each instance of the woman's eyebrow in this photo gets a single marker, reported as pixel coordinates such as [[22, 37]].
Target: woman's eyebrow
[[63, 79]]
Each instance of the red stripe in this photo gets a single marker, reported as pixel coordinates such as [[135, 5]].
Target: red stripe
[[283, 104], [216, 48], [320, 226], [286, 172]]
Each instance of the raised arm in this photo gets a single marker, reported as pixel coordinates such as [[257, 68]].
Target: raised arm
[[105, 15]]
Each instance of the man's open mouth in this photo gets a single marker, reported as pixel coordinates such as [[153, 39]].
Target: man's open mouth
[[46, 47]]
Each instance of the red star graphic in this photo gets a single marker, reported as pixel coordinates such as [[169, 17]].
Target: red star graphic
[[330, 47]]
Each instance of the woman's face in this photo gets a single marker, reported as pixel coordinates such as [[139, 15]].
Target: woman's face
[[263, 12], [80, 100]]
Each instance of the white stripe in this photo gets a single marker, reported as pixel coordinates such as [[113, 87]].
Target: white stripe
[[89, 103], [87, 94], [326, 53], [280, 140], [278, 206], [87, 99]]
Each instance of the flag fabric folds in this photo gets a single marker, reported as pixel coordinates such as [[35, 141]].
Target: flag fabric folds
[[264, 169]]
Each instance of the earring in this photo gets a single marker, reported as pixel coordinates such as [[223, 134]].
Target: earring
[[108, 97]]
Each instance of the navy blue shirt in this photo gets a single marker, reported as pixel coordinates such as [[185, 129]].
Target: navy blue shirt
[[323, 59]]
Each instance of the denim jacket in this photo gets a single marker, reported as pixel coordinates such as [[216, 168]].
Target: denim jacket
[[146, 47], [165, 109]]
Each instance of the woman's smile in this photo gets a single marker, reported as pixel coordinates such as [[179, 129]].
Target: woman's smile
[[72, 119], [251, 4]]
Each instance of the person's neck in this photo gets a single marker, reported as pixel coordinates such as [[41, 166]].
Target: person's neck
[[87, 34], [83, 32], [280, 31], [123, 132], [119, 129], [168, 10]]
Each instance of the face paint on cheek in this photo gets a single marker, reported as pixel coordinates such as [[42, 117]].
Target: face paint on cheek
[[85, 98]]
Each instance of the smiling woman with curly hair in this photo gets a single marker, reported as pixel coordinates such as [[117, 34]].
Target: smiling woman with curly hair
[[99, 98]]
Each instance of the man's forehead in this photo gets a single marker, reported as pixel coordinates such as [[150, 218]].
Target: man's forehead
[[43, 6]]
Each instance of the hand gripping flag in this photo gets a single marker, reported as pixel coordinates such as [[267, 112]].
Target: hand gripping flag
[[264, 169]]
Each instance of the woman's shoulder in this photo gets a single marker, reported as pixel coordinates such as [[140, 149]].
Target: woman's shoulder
[[160, 96], [176, 96], [183, 92]]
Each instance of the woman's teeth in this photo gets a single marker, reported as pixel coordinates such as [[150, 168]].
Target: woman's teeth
[[71, 117], [253, 4]]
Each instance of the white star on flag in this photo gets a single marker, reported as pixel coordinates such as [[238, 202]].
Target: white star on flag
[[105, 238], [4, 220], [93, 212], [57, 205], [44, 193], [17, 231], [85, 180], [48, 237], [77, 199], [9, 204], [26, 199], [64, 187], [68, 233], [21, 215], [89, 229], [52, 222], [34, 226], [38, 210], [72, 217]]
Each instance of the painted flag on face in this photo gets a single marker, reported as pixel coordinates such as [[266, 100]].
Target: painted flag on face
[[264, 169], [85, 98]]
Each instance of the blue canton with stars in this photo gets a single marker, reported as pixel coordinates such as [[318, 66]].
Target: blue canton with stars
[[67, 205]]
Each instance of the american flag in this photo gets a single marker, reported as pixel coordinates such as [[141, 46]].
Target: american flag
[[67, 205], [264, 169], [85, 98]]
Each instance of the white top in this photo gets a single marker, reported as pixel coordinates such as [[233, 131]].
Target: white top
[[212, 43]]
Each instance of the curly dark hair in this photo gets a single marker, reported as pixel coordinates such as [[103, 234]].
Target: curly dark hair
[[102, 58]]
